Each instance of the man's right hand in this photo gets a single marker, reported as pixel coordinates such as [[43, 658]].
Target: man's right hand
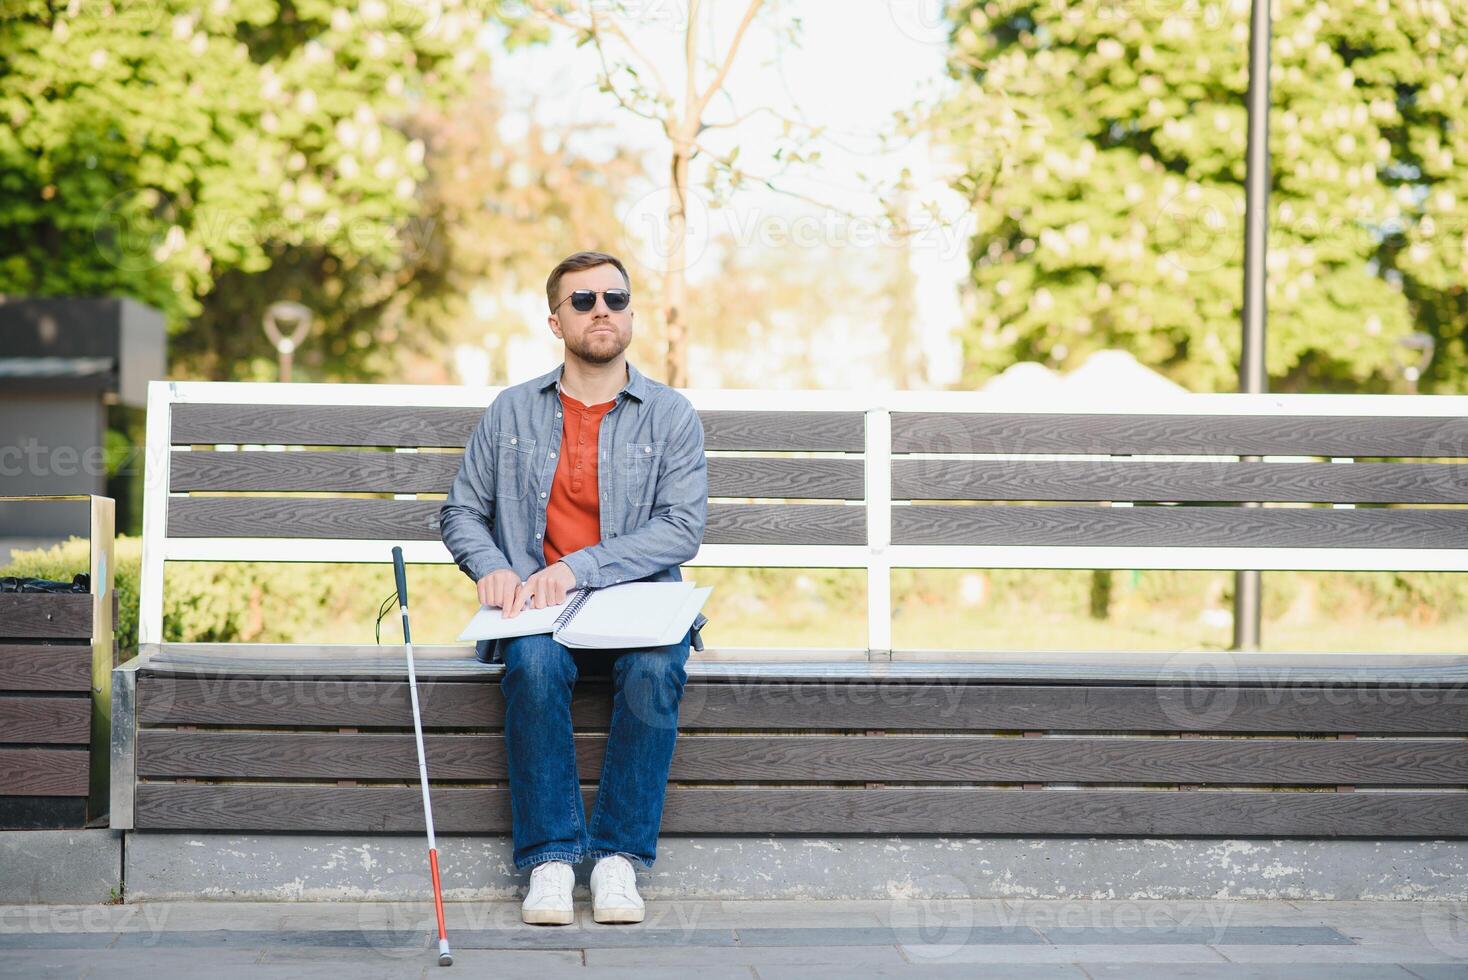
[[498, 588]]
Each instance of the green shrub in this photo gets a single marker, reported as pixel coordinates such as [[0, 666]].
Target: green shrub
[[288, 602], [60, 562]]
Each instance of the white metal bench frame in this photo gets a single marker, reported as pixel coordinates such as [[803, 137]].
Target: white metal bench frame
[[878, 556]]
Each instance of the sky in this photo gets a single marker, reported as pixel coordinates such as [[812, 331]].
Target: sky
[[857, 62]]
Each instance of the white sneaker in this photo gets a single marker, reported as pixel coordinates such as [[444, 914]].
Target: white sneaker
[[614, 895], [549, 900]]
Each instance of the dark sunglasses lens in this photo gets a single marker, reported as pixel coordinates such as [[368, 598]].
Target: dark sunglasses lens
[[583, 300], [617, 299]]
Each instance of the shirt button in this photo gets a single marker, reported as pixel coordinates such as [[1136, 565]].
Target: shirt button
[[558, 415], [513, 441], [553, 455], [542, 493], [647, 449], [537, 535]]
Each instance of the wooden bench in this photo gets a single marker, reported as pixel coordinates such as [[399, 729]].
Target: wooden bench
[[829, 741]]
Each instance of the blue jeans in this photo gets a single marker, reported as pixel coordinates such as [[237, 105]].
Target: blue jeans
[[547, 814]]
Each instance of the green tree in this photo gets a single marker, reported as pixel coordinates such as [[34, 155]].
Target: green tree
[[211, 158], [1102, 146], [505, 213]]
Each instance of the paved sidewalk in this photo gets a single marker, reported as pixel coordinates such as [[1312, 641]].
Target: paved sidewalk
[[1136, 940]]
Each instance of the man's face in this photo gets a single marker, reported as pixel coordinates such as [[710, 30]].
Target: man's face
[[599, 335]]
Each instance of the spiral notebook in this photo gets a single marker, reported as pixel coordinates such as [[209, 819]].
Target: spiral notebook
[[635, 614]]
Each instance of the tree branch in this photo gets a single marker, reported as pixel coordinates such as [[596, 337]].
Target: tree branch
[[690, 65], [615, 30], [717, 83], [595, 28], [729, 124]]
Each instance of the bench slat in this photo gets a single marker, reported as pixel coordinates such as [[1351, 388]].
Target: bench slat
[[433, 472], [939, 810], [450, 428], [43, 772], [46, 720], [344, 471], [797, 706], [1232, 435], [45, 616], [324, 660], [1381, 483], [46, 667], [827, 758], [1180, 527], [322, 425], [417, 520], [784, 431]]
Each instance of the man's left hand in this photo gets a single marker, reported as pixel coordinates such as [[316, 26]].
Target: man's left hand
[[547, 587]]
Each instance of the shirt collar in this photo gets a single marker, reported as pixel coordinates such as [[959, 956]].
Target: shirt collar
[[636, 385]]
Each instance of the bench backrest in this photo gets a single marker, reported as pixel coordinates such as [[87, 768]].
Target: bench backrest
[[872, 480]]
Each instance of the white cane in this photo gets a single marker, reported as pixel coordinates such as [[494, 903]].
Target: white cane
[[445, 957]]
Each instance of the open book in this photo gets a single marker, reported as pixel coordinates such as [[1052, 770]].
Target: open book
[[635, 614]]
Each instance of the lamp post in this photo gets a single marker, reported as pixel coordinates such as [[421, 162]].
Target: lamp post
[[297, 320], [1252, 374], [1412, 370]]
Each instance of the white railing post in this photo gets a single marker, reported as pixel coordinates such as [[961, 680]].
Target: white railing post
[[156, 460], [1347, 460], [879, 532]]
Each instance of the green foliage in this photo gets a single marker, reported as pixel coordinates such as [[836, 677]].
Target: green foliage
[[285, 602], [211, 158], [60, 562], [1102, 146]]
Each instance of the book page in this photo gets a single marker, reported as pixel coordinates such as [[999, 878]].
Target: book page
[[681, 622], [633, 614], [489, 622]]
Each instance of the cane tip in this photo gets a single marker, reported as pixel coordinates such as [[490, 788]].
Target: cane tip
[[445, 959]]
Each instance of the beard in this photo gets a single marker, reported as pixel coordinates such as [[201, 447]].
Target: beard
[[599, 348]]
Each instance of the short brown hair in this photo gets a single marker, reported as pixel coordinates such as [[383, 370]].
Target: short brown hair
[[577, 262]]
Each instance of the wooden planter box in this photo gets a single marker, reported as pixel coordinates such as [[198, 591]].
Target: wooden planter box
[[56, 657]]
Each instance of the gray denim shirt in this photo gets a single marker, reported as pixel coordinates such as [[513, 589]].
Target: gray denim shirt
[[651, 474]]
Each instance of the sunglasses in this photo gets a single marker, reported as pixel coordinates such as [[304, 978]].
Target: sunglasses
[[582, 300]]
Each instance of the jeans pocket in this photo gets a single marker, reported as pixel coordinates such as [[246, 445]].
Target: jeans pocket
[[514, 461]]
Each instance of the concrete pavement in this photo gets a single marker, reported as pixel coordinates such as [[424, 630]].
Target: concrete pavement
[[931, 938]]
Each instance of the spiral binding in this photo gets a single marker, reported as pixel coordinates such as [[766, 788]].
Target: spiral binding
[[569, 613]]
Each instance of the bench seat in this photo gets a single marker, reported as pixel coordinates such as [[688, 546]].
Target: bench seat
[[1200, 667], [317, 738], [311, 738]]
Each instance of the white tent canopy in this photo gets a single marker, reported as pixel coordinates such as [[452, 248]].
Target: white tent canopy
[[1106, 373]]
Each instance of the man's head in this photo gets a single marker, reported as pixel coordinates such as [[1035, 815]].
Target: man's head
[[598, 334]]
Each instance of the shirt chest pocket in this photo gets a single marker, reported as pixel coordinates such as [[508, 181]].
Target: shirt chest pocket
[[514, 466], [641, 463]]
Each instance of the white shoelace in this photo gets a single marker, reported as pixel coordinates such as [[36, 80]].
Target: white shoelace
[[619, 878], [548, 885]]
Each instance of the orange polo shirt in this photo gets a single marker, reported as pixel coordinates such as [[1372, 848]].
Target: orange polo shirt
[[573, 516]]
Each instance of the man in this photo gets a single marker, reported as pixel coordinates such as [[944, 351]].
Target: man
[[588, 476]]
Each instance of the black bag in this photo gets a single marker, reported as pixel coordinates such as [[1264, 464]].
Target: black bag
[[80, 582]]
